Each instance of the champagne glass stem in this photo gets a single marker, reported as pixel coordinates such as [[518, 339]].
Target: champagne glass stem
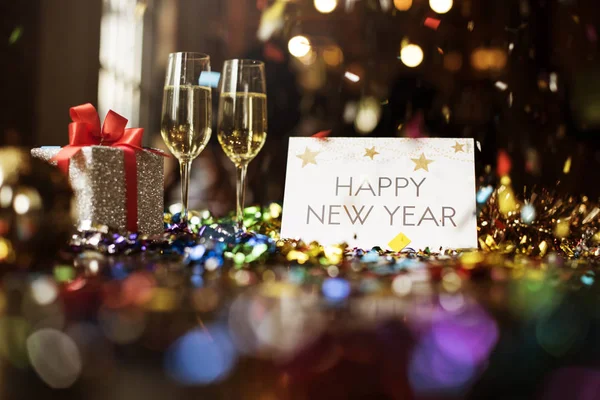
[[241, 193], [184, 169]]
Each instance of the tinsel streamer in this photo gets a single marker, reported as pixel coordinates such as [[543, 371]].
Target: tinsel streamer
[[566, 226]]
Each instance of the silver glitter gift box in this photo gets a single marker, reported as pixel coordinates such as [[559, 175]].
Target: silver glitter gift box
[[97, 175]]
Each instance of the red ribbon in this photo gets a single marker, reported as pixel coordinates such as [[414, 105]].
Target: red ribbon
[[322, 134], [85, 131]]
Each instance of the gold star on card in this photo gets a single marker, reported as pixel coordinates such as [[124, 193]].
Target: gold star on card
[[422, 162], [370, 152], [458, 147], [308, 157]]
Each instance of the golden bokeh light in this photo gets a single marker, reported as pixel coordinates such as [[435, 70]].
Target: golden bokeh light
[[453, 61], [497, 59], [325, 6], [483, 59], [479, 59], [299, 46], [411, 55], [441, 6], [403, 5], [333, 56], [367, 116], [21, 203]]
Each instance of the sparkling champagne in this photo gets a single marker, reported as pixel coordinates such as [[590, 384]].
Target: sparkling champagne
[[242, 125], [186, 120]]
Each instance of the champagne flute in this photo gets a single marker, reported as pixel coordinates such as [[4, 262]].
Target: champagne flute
[[242, 119], [186, 114]]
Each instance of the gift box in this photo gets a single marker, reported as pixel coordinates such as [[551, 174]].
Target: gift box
[[117, 182]]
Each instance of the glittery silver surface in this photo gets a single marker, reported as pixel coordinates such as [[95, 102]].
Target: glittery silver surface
[[44, 154], [98, 178], [150, 172]]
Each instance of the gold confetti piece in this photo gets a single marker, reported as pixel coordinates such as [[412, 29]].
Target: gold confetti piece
[[334, 254], [507, 247], [483, 245], [506, 200], [297, 256], [567, 167], [399, 242], [543, 248], [591, 215], [490, 242]]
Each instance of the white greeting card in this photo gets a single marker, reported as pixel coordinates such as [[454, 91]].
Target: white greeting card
[[387, 192]]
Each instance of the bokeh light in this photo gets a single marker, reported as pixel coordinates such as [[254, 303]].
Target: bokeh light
[[458, 343], [201, 356], [468, 336], [6, 252], [401, 285], [6, 196], [299, 46], [431, 371], [21, 203], [484, 59], [441, 6], [411, 55], [309, 58], [55, 357], [333, 56], [286, 325], [336, 289], [325, 6], [453, 61], [498, 59], [528, 213], [44, 290], [368, 115], [403, 5], [479, 59]]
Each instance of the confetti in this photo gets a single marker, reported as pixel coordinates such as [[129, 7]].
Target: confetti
[[399, 242]]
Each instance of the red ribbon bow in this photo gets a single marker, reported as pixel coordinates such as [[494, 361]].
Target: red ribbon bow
[[85, 131]]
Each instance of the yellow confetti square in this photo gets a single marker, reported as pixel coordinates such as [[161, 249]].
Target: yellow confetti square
[[399, 242]]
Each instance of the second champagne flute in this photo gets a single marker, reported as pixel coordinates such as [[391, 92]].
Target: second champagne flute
[[186, 114], [242, 119]]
